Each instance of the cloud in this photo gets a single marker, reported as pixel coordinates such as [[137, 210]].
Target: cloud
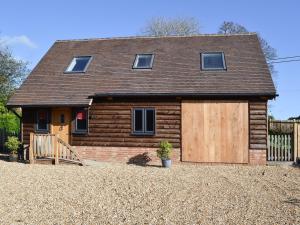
[[17, 40]]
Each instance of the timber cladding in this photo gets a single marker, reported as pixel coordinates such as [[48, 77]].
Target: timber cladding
[[258, 132], [215, 131], [27, 123], [110, 124]]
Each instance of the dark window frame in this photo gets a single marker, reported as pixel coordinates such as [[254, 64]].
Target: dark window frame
[[37, 129], [144, 132], [202, 55], [81, 71], [74, 121], [135, 62]]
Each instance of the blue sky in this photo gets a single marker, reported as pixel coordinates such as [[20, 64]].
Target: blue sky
[[30, 28]]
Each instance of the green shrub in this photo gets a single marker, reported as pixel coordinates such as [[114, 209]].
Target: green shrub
[[165, 150], [13, 144]]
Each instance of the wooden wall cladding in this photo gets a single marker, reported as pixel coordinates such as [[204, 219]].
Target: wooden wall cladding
[[27, 123], [110, 124], [215, 131], [258, 125]]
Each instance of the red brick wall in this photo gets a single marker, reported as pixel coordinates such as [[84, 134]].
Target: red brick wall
[[257, 157], [122, 154]]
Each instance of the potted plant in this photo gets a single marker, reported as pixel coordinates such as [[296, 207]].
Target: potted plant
[[13, 144], [164, 153]]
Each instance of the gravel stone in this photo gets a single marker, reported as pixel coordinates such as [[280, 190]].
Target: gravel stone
[[128, 194]]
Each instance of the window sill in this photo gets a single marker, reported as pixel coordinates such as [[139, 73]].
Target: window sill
[[143, 134], [80, 133], [42, 131]]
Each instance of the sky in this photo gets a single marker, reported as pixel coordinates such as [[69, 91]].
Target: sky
[[30, 27]]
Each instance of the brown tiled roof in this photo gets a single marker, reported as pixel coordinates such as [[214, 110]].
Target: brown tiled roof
[[176, 70]]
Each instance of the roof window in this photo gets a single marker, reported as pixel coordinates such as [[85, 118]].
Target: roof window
[[79, 64], [143, 61], [213, 61]]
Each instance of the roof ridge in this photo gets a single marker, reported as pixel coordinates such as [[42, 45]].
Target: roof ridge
[[153, 37]]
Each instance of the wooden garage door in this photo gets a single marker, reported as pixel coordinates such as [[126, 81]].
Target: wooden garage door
[[215, 131]]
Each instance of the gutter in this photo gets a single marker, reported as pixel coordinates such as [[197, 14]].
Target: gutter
[[219, 95]]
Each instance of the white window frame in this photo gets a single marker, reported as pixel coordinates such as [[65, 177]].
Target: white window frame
[[73, 61], [137, 56], [208, 53]]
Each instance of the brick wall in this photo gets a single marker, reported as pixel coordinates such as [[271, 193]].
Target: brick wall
[[122, 154]]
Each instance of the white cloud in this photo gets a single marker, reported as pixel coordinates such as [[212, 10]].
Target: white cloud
[[17, 40]]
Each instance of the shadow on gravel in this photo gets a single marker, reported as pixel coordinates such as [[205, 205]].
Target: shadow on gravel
[[293, 201], [4, 157], [141, 160]]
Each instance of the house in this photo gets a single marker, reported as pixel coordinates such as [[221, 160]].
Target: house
[[115, 98]]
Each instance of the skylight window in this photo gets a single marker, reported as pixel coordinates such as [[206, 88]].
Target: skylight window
[[213, 61], [143, 61], [79, 64]]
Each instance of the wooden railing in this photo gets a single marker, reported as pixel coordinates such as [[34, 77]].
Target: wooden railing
[[52, 147]]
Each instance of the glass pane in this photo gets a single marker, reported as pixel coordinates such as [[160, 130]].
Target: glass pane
[[81, 120], [78, 64], [81, 124], [42, 120], [149, 120], [213, 61], [144, 61], [138, 120]]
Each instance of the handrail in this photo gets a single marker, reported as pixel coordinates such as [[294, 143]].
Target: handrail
[[51, 146]]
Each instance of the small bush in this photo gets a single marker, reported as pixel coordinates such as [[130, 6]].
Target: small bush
[[165, 150], [13, 144]]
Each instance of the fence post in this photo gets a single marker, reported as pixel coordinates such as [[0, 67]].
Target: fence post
[[31, 157], [56, 161], [296, 136]]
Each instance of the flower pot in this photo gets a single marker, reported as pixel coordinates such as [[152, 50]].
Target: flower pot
[[166, 163], [13, 157]]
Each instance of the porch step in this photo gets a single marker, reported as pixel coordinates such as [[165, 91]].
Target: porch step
[[51, 161]]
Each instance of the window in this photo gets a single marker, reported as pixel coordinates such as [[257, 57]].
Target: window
[[143, 61], [81, 121], [143, 121], [213, 61], [79, 64], [42, 121]]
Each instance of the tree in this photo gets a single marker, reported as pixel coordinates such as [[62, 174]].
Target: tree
[[235, 28], [12, 73], [160, 27]]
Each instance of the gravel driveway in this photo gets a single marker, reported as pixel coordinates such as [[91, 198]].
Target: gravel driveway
[[129, 194]]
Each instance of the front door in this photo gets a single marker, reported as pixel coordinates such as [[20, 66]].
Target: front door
[[61, 121]]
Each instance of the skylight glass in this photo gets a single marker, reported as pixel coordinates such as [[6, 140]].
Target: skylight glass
[[143, 61], [213, 61], [79, 64]]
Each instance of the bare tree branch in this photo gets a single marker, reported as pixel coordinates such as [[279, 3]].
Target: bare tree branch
[[160, 27]]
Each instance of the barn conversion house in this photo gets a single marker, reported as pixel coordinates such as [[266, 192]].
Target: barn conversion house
[[112, 99]]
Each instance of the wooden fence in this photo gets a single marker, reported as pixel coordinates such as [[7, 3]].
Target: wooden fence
[[4, 134], [283, 141], [280, 147]]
